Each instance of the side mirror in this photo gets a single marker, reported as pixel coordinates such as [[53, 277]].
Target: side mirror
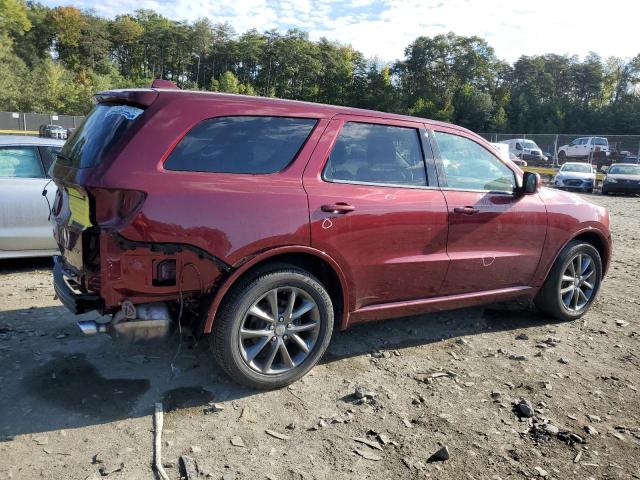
[[530, 182]]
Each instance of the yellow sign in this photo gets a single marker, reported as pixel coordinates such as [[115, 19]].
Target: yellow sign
[[79, 206]]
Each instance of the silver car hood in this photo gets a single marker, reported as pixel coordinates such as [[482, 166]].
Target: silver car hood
[[577, 175]]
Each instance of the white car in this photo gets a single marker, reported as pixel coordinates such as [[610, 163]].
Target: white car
[[583, 147], [576, 176], [524, 149], [25, 229]]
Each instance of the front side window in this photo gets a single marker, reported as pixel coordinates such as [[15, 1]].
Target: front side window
[[20, 162], [372, 153], [469, 166], [253, 145]]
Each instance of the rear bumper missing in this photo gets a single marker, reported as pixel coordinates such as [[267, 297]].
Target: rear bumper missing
[[69, 293]]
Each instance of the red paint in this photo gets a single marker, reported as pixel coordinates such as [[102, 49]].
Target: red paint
[[396, 250]]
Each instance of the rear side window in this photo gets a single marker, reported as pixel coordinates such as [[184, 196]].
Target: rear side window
[[100, 132], [49, 154], [254, 145], [370, 153], [600, 141], [20, 162]]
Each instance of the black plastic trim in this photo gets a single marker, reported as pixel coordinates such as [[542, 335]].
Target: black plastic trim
[[172, 248], [76, 302]]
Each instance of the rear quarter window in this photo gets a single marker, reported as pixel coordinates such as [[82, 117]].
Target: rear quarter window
[[242, 144]]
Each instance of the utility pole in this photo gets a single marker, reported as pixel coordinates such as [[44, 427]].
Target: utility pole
[[197, 74]]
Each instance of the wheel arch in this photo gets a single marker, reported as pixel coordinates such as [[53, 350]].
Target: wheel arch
[[597, 240], [316, 262], [589, 235]]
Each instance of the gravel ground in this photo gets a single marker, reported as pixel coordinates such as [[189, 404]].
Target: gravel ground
[[386, 397]]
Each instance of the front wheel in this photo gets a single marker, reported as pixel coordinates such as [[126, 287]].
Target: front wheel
[[562, 155], [573, 282], [273, 327]]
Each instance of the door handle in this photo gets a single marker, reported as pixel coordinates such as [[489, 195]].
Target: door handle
[[466, 210], [339, 207]]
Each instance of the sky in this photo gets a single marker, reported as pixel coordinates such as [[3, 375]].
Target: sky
[[383, 28]]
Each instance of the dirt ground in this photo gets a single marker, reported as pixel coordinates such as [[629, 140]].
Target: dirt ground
[[74, 407]]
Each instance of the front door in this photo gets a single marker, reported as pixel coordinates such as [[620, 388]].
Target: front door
[[375, 209], [495, 236]]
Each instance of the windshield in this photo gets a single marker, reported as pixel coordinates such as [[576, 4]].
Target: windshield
[[625, 170], [576, 167], [529, 144], [100, 131]]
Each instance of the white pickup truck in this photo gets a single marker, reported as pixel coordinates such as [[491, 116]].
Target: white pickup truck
[[583, 147]]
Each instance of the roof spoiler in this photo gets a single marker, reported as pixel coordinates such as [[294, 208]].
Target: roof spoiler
[[161, 83], [142, 97]]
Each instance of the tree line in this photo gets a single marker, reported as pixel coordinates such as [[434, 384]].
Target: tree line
[[55, 59]]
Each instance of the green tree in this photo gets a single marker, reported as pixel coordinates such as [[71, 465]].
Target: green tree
[[228, 83], [14, 18]]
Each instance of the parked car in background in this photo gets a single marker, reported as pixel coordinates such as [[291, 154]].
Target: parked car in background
[[25, 229], [517, 161], [53, 131], [363, 216], [576, 176], [631, 159], [583, 147], [524, 149], [622, 178]]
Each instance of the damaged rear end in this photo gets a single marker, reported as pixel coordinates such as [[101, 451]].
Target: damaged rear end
[[142, 284]]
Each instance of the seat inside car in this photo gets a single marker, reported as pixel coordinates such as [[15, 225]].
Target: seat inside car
[[383, 163], [337, 162]]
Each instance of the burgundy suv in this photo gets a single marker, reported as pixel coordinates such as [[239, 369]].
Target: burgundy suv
[[267, 223]]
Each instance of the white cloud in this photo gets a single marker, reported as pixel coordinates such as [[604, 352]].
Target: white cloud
[[384, 28]]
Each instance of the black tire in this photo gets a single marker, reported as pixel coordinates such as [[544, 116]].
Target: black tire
[[549, 299], [562, 155], [589, 190], [605, 192], [225, 338]]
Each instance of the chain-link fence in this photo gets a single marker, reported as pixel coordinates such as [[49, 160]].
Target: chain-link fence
[[18, 123], [558, 148]]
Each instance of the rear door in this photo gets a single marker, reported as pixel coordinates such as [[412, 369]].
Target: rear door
[[495, 236], [24, 213], [574, 148], [376, 209]]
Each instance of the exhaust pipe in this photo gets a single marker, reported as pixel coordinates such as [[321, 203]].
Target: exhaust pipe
[[144, 322], [90, 327]]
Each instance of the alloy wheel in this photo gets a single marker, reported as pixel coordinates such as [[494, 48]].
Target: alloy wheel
[[578, 282], [279, 330]]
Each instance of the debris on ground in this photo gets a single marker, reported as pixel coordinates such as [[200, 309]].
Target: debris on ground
[[439, 456]]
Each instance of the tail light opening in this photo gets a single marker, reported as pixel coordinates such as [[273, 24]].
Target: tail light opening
[[114, 207]]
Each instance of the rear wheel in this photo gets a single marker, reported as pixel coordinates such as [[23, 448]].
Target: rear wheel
[[573, 282], [273, 327], [562, 155]]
